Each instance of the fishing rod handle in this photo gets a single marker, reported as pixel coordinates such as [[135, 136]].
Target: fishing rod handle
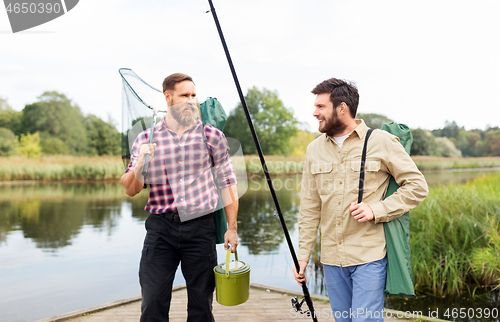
[[145, 166]]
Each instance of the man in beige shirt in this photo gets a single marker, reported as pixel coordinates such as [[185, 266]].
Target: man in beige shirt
[[353, 248]]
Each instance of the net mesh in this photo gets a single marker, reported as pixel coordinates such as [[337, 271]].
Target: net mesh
[[139, 101]]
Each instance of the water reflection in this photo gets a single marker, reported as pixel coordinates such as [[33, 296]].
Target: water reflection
[[41, 210], [257, 227], [52, 215], [456, 175]]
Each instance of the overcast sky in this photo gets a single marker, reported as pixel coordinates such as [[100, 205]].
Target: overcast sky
[[417, 62]]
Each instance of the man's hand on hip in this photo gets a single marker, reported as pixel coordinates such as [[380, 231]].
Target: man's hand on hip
[[361, 212]]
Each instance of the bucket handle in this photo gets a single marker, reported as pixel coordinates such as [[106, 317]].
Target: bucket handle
[[227, 260]]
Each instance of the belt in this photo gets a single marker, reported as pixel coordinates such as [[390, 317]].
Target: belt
[[174, 216]]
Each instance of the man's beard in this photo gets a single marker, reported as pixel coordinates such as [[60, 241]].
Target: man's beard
[[185, 113], [333, 126]]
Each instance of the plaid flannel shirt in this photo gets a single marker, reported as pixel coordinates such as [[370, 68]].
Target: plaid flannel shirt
[[179, 175]]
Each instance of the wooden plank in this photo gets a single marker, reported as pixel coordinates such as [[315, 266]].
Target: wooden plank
[[265, 304]]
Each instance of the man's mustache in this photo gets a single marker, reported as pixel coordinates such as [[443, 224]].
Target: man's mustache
[[185, 106]]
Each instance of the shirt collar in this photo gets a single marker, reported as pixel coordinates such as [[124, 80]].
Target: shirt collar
[[361, 129]]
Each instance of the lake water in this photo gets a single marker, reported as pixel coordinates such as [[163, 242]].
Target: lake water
[[66, 247]]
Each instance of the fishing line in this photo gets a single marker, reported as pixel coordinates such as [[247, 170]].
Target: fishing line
[[307, 297]]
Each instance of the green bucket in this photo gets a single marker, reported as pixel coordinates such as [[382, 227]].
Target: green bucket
[[232, 281]]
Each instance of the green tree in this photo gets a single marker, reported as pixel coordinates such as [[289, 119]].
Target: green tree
[[470, 143], [103, 138], [447, 148], [273, 122], [9, 118], [8, 142], [54, 146], [29, 145], [424, 143], [300, 141], [55, 115], [374, 121], [491, 143], [450, 130]]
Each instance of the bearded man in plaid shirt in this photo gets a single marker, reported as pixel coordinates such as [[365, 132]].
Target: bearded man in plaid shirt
[[182, 198]]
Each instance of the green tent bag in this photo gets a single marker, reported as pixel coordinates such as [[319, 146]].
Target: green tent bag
[[399, 281], [212, 113]]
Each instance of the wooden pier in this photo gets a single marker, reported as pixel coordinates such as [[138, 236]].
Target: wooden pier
[[265, 304]]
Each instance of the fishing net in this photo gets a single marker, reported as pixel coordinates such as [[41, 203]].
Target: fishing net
[[142, 106], [139, 102]]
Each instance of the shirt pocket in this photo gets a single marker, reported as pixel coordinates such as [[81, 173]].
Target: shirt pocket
[[372, 170], [323, 176]]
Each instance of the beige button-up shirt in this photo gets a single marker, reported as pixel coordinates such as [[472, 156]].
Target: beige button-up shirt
[[330, 182]]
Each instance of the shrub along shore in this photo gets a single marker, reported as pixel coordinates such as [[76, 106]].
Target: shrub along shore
[[104, 168], [455, 238]]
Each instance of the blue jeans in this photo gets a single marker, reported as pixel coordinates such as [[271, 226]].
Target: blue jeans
[[357, 292]]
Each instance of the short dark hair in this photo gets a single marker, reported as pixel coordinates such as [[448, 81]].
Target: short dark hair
[[340, 91], [170, 81]]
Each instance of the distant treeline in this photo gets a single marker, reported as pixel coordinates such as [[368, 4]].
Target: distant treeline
[[450, 141], [54, 125]]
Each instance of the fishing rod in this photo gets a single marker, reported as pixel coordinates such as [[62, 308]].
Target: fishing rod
[[307, 296]]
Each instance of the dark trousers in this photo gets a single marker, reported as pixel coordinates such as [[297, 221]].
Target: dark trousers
[[167, 243]]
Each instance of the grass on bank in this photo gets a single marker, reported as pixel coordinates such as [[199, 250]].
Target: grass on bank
[[455, 239], [61, 168], [67, 167]]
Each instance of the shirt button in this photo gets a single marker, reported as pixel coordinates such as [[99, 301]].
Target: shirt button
[[340, 203], [342, 162], [340, 182], [180, 180], [338, 223], [340, 243]]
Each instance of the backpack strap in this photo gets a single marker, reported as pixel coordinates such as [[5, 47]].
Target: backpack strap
[[204, 135], [362, 170]]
